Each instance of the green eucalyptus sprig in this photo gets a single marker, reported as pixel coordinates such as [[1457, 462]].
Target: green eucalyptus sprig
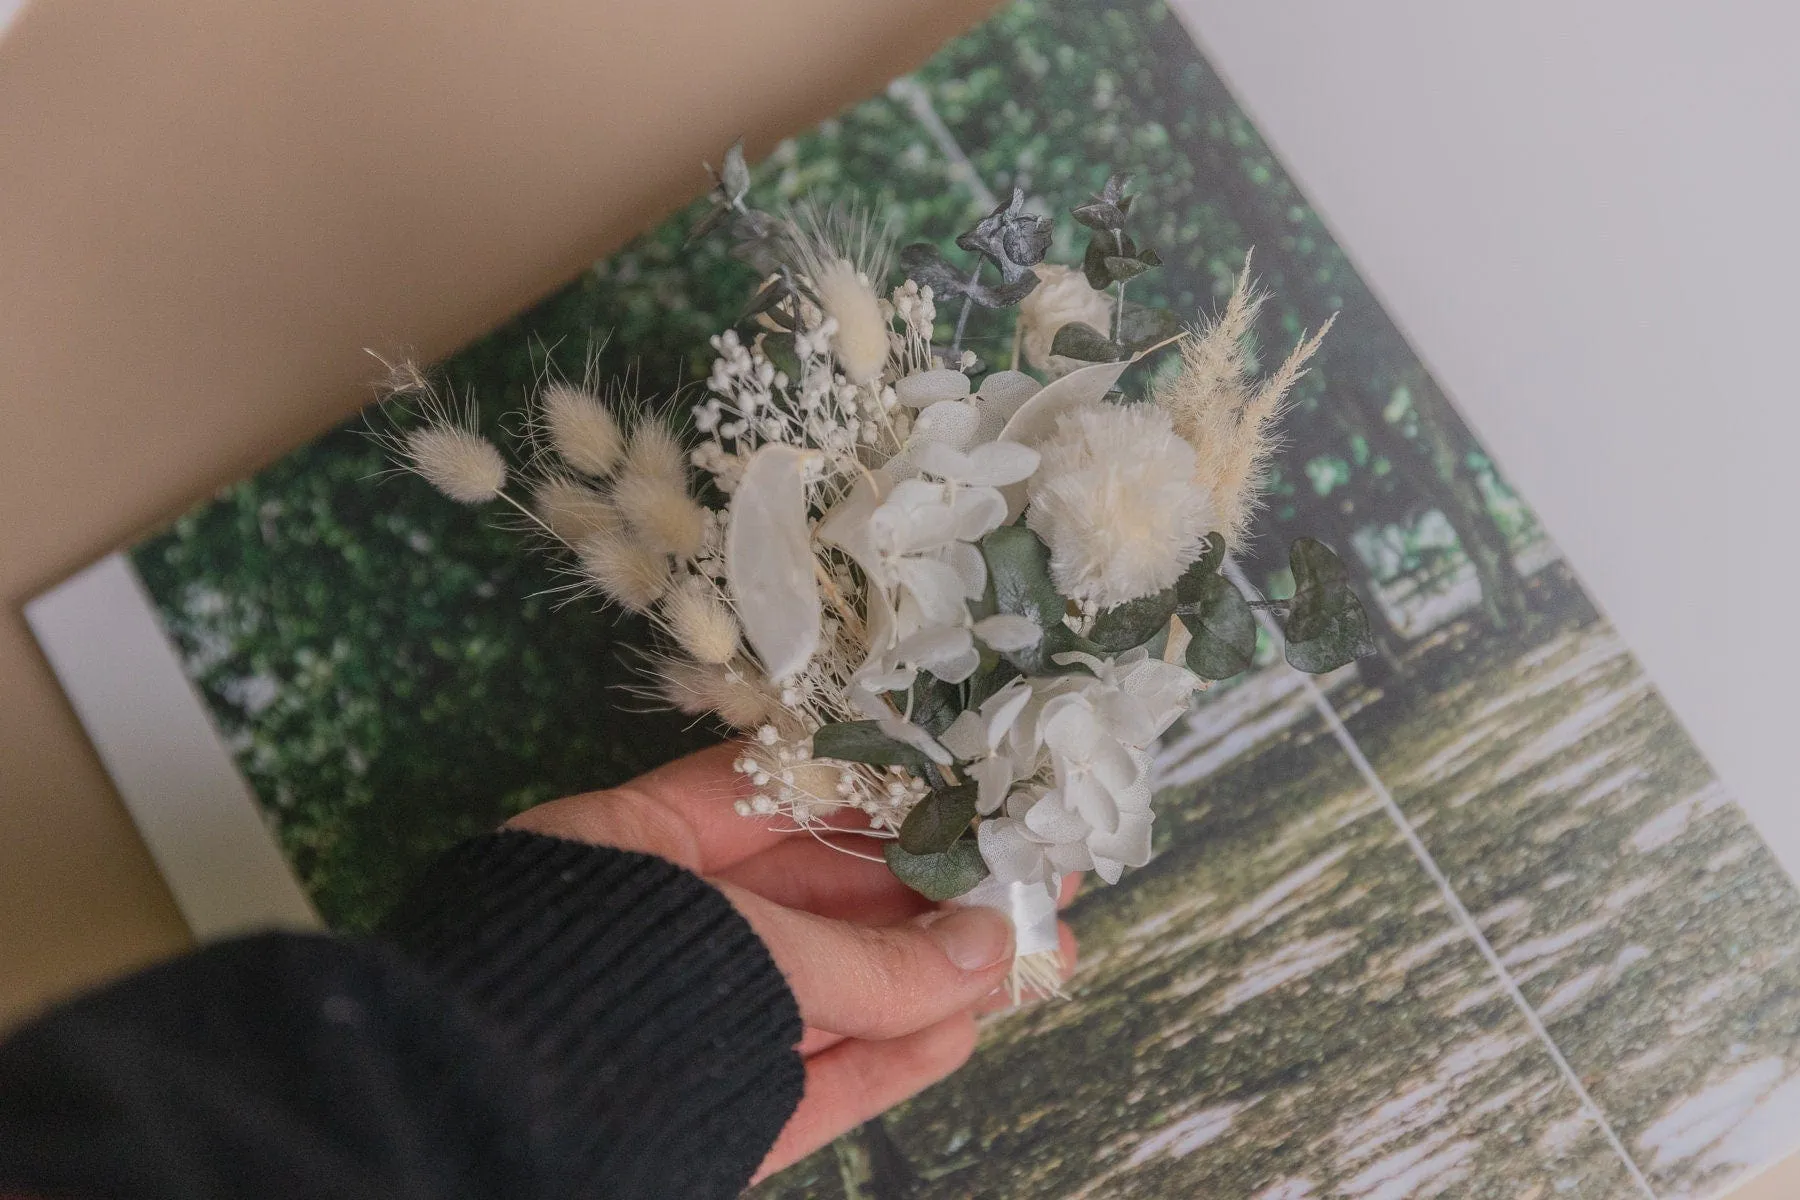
[[1011, 239], [756, 235], [1113, 257]]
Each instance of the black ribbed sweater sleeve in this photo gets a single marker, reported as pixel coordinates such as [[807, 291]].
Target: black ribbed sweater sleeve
[[543, 1018], [665, 1030]]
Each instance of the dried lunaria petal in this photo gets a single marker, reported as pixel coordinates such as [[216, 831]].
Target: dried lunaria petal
[[582, 429], [629, 573], [769, 560], [462, 465]]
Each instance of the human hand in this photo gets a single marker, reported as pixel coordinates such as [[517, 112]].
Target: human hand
[[888, 983]]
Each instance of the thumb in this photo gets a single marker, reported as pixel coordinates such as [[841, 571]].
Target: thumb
[[879, 982]]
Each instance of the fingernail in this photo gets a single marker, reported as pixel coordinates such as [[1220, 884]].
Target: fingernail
[[972, 938]]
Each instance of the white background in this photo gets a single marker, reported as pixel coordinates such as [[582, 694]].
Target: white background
[[1585, 214]]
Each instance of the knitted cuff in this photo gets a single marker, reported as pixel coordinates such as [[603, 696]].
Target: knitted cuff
[[661, 1033]]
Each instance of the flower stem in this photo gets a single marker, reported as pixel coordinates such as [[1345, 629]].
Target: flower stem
[[962, 318], [533, 517]]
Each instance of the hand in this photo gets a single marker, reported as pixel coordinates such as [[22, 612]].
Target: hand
[[888, 984]]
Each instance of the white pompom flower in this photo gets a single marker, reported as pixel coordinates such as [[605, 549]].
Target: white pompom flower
[[1116, 501]]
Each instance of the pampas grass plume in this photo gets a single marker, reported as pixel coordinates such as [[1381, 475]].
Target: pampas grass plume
[[628, 572], [582, 429], [462, 465], [1216, 404]]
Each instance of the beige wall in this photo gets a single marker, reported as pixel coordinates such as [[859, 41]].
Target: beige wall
[[209, 208]]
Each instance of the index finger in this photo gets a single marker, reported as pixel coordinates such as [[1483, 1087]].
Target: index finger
[[682, 811]]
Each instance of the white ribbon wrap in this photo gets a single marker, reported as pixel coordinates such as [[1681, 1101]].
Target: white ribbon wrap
[[1030, 907]]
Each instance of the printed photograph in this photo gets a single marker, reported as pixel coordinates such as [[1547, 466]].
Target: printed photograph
[[1471, 917]]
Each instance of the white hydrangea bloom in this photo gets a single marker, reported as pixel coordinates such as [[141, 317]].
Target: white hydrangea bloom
[[977, 737], [1084, 742]]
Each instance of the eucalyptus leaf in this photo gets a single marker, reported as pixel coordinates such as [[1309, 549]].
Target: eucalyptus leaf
[[1131, 624], [1058, 639], [1145, 326], [1079, 340], [922, 263], [1099, 216], [1019, 565], [926, 266], [734, 177], [863, 742], [711, 221], [1001, 295], [1027, 242], [1221, 621], [759, 241], [1011, 238], [778, 348], [931, 703], [989, 679], [1121, 269], [769, 296], [1326, 626], [937, 820], [1093, 262], [1189, 588], [939, 877]]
